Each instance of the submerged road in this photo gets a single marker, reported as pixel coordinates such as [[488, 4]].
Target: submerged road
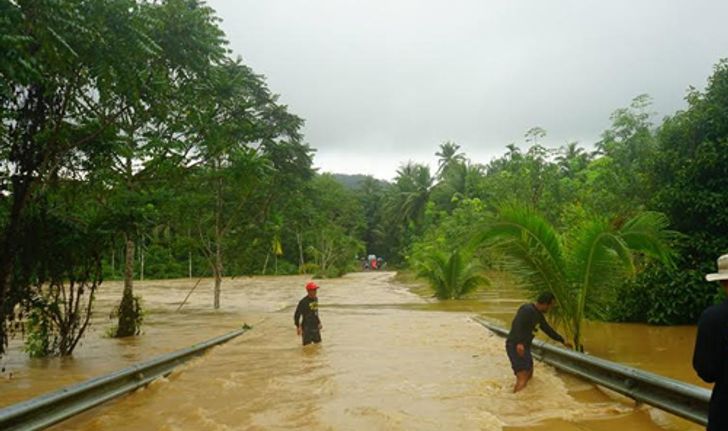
[[389, 360]]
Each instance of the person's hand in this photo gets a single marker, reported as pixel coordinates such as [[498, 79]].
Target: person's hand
[[568, 345], [320, 326], [521, 350], [298, 330]]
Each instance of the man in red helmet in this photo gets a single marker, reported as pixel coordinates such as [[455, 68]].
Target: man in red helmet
[[306, 316]]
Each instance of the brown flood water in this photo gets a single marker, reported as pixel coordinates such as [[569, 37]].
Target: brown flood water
[[389, 360]]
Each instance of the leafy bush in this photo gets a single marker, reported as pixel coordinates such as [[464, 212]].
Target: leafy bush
[[285, 267], [64, 275], [308, 268], [665, 298], [38, 335], [452, 274]]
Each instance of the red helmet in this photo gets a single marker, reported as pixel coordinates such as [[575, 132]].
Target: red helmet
[[311, 286]]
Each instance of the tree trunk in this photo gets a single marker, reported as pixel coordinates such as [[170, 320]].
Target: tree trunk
[[127, 312], [301, 262], [218, 275], [265, 263], [141, 262], [189, 263], [217, 266], [11, 240]]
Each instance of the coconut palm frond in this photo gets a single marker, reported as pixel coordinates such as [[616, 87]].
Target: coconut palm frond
[[531, 248], [648, 233], [471, 277], [599, 258], [431, 268], [596, 251]]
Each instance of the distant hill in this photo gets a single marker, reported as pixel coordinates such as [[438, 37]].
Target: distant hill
[[354, 181]]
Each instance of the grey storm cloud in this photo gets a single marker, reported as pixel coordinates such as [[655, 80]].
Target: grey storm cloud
[[383, 82]]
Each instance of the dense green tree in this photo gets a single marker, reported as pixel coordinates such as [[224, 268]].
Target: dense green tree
[[71, 70], [690, 179], [247, 147], [151, 145], [528, 177], [572, 159], [412, 188], [461, 181], [332, 237], [617, 181], [371, 194]]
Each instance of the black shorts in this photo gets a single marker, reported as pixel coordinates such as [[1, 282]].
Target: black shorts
[[519, 363], [313, 336]]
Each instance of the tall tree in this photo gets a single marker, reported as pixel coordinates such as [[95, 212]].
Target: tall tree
[[617, 182], [690, 179], [413, 185], [70, 71], [152, 140], [242, 137], [448, 154]]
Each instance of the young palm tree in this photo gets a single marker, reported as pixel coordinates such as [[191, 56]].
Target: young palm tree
[[451, 275], [581, 267]]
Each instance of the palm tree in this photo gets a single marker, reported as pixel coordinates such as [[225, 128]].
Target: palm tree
[[413, 185], [513, 152], [572, 159], [460, 182], [451, 275], [448, 155], [582, 267]]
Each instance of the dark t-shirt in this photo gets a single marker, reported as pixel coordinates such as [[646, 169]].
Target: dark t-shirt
[[710, 360], [307, 314], [523, 327]]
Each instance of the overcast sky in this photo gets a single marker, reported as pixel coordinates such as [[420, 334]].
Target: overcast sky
[[381, 82]]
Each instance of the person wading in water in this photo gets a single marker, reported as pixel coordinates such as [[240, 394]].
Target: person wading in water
[[306, 316], [523, 327]]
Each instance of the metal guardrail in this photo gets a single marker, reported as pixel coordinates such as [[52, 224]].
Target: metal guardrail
[[682, 399], [46, 410]]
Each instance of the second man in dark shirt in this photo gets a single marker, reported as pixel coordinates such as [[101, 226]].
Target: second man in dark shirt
[[523, 328]]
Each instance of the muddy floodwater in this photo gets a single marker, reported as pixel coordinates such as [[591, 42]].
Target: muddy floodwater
[[390, 360]]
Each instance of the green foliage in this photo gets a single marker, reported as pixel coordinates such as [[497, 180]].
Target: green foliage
[[62, 263], [380, 233], [309, 268], [582, 267], [335, 225], [690, 177], [663, 298], [95, 93], [128, 120], [451, 275], [38, 335]]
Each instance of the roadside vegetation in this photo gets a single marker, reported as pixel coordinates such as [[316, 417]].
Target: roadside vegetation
[[133, 146]]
